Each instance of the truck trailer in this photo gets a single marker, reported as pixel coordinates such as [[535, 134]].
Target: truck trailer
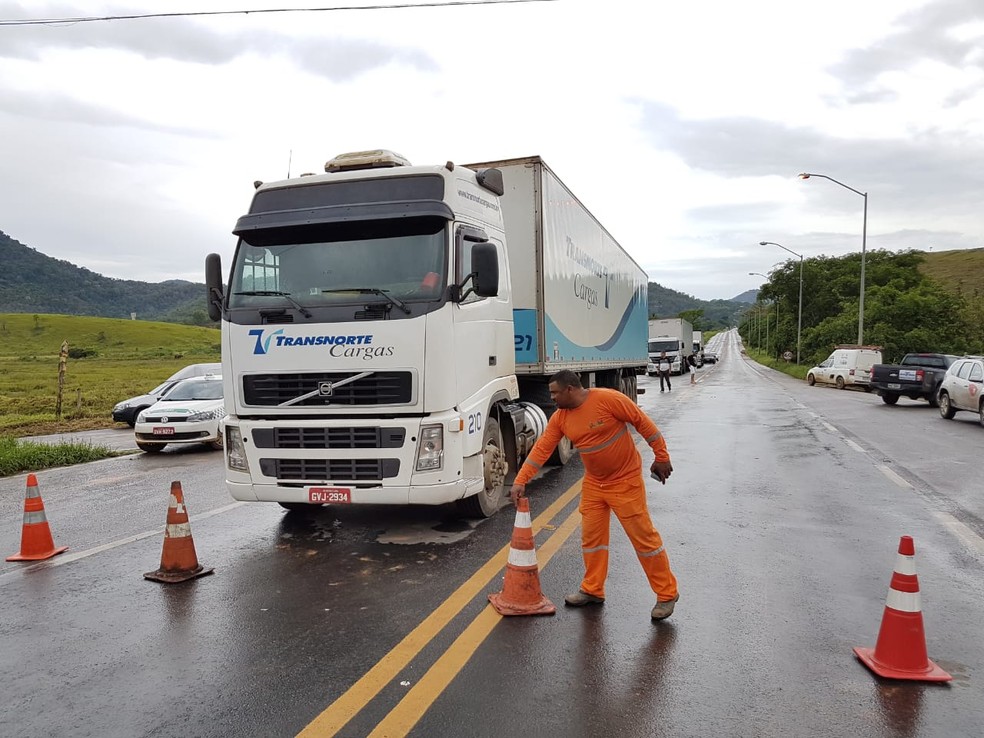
[[389, 330], [675, 337]]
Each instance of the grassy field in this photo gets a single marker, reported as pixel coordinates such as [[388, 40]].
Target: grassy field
[[116, 359], [959, 271]]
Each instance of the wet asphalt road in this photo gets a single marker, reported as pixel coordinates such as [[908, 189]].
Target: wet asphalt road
[[782, 520]]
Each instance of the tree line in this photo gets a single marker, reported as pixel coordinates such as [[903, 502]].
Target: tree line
[[904, 310]]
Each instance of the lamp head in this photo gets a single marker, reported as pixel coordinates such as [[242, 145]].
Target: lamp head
[[763, 243], [804, 175]]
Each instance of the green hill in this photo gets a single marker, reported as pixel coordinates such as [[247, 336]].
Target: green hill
[[31, 282], [961, 272]]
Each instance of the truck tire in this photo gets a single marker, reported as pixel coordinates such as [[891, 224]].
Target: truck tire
[[839, 382], [890, 399], [811, 380], [947, 410], [494, 467]]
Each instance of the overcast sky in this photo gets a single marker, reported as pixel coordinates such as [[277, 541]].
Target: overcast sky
[[130, 147]]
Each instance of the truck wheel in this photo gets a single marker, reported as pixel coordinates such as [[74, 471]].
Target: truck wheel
[[494, 467], [839, 382], [946, 409], [890, 399], [811, 380]]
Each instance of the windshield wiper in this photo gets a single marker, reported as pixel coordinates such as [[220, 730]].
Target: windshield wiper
[[276, 293], [375, 291]]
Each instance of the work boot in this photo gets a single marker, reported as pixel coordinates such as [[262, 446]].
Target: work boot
[[663, 610], [580, 599]]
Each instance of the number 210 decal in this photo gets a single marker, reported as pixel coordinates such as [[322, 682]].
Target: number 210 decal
[[474, 423]]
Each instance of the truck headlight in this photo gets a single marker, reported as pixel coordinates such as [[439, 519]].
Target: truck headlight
[[430, 448], [235, 450]]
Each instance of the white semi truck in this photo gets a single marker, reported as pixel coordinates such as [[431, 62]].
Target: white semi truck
[[388, 330], [675, 337]]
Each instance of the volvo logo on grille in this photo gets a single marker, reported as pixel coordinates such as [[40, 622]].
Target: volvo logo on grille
[[326, 389]]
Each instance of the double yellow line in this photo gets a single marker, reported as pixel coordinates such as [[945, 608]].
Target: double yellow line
[[418, 700]]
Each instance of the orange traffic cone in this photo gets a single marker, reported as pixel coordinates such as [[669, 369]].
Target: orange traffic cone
[[900, 652], [36, 541], [521, 594], [178, 559]]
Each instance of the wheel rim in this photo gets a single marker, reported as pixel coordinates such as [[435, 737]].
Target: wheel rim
[[495, 468]]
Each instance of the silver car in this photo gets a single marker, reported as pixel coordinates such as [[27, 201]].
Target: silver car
[[963, 388]]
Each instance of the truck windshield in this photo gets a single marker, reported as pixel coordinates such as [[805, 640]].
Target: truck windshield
[[670, 344], [391, 262]]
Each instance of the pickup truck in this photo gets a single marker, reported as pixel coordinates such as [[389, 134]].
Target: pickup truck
[[917, 376]]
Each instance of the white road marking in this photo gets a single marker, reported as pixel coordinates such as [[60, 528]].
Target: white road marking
[[855, 446], [895, 477], [966, 536], [68, 558], [828, 426]]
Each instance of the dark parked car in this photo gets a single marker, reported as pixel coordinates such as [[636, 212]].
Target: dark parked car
[[128, 410]]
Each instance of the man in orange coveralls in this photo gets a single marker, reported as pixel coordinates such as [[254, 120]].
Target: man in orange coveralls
[[596, 421]]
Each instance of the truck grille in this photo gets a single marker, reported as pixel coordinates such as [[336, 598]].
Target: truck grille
[[334, 470], [331, 438], [378, 388]]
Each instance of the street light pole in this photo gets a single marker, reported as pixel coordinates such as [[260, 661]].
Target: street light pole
[[759, 274], [799, 313], [864, 239]]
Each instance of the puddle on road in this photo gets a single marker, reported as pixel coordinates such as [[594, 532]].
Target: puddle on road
[[448, 531]]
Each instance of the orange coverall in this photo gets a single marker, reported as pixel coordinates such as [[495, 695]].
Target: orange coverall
[[598, 428]]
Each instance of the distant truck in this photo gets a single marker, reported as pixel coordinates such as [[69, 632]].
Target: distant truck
[[675, 336], [917, 376], [389, 330], [699, 347]]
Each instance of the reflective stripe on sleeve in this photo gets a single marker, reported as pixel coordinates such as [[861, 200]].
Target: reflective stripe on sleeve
[[606, 444], [532, 463], [903, 601], [657, 552], [518, 557], [653, 437]]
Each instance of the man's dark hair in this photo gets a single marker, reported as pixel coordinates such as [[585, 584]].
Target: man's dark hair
[[566, 378]]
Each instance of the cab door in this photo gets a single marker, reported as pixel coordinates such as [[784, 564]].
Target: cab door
[[960, 389], [975, 385]]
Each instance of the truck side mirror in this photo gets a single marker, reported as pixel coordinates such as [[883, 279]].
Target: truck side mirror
[[485, 267], [213, 286]]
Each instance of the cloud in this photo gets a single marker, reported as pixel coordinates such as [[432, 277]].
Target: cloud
[[925, 34], [194, 42]]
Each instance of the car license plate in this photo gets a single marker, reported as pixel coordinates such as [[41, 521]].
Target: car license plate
[[894, 386], [163, 431], [330, 495]]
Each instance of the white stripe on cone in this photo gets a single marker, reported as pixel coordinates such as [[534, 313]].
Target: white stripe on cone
[[523, 520], [903, 601], [179, 530], [905, 564], [518, 557]]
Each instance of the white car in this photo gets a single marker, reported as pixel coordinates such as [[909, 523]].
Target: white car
[[189, 413], [963, 388]]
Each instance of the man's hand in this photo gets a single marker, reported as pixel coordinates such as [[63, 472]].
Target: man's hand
[[661, 470], [517, 491]]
